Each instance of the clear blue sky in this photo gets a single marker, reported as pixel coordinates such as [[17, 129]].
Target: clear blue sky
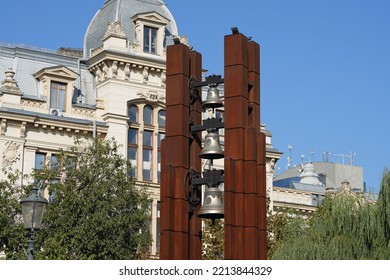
[[325, 80]]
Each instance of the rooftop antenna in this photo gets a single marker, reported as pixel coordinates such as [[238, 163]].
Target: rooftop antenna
[[289, 159], [351, 157], [342, 156], [312, 155], [325, 156]]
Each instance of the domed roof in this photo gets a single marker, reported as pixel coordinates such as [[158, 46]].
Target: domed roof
[[124, 10], [309, 176]]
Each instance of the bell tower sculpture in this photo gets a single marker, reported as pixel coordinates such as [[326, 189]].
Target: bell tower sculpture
[[244, 174]]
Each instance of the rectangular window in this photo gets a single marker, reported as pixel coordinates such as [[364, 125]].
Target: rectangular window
[[40, 161], [132, 136], [147, 140], [150, 39], [147, 155], [132, 151], [132, 157], [54, 164], [161, 136], [57, 96], [158, 228], [147, 164]]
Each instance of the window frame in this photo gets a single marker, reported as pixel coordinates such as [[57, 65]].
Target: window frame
[[150, 39]]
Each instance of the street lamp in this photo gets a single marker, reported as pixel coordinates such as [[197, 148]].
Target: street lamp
[[33, 207]]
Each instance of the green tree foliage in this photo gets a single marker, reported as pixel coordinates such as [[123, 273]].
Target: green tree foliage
[[213, 240], [12, 237], [94, 210], [276, 223], [345, 227]]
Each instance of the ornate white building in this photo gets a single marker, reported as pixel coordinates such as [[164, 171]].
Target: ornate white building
[[113, 87]]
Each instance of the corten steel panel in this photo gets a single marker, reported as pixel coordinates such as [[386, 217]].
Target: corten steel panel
[[179, 156], [250, 211], [250, 144], [254, 93], [239, 243], [239, 178], [178, 251], [251, 244], [178, 214], [177, 90], [236, 80], [175, 126], [261, 148], [235, 250], [263, 251], [228, 254], [250, 186], [254, 120], [253, 57], [234, 143], [236, 50], [261, 181], [168, 172], [178, 61], [176, 179], [262, 211], [238, 108], [238, 213], [229, 177], [195, 236]]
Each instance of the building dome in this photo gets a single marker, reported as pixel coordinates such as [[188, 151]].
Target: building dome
[[309, 176], [123, 11]]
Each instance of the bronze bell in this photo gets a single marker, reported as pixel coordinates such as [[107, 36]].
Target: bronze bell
[[212, 99], [212, 207], [212, 148]]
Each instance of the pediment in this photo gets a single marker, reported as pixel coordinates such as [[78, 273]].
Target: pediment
[[56, 71], [151, 17]]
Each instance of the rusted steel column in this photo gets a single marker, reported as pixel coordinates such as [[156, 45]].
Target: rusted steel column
[[262, 194], [195, 232], [236, 122], [175, 151], [242, 128], [254, 122], [180, 236]]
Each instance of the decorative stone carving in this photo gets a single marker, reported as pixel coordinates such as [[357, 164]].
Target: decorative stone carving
[[83, 112], [9, 84], [163, 78], [272, 164], [99, 75], [33, 103], [11, 153], [105, 70], [127, 71], [115, 28], [152, 96], [114, 69], [145, 74], [23, 128], [3, 126]]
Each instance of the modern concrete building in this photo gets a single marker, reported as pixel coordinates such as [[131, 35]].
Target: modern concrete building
[[305, 186]]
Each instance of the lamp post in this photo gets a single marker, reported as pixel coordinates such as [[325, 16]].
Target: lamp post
[[33, 207]]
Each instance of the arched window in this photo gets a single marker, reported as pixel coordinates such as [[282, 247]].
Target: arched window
[[161, 118], [133, 113], [148, 115]]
